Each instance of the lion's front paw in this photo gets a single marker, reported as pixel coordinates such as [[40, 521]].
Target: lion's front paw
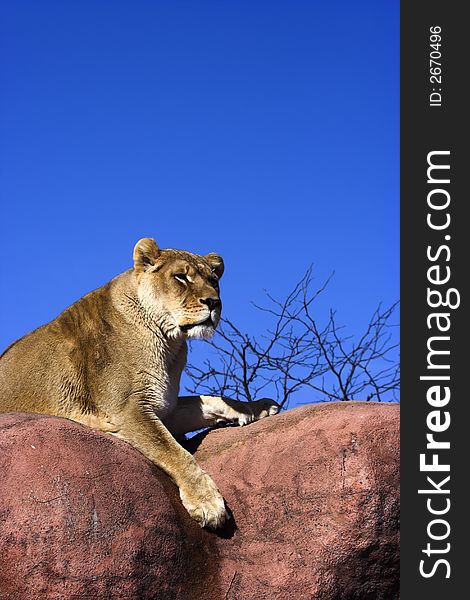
[[204, 503], [259, 409], [268, 407]]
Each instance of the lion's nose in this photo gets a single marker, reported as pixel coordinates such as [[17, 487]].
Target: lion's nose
[[212, 303]]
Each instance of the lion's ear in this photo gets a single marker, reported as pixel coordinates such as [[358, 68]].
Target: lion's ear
[[146, 253], [216, 262]]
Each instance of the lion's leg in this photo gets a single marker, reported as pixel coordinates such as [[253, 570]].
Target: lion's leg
[[198, 412], [198, 492]]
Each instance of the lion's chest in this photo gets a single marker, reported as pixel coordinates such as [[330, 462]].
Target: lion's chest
[[159, 380]]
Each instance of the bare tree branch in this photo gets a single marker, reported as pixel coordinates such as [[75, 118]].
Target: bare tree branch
[[295, 353]]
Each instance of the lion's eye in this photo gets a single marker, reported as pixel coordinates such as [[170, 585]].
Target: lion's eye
[[181, 277]]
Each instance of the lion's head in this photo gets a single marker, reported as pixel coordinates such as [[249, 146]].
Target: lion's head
[[179, 289]]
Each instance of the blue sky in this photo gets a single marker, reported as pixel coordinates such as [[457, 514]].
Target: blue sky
[[266, 131]]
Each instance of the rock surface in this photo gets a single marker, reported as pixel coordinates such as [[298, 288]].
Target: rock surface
[[315, 496], [84, 516], [313, 491]]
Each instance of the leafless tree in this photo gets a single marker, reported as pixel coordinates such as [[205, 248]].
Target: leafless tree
[[297, 353]]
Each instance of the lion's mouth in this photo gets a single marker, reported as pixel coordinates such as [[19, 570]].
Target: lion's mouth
[[206, 323]]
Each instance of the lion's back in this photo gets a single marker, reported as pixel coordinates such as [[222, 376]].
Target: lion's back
[[24, 369]]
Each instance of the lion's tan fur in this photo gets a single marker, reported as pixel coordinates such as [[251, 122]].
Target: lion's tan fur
[[113, 361]]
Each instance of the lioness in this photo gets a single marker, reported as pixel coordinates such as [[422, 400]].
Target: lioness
[[113, 361]]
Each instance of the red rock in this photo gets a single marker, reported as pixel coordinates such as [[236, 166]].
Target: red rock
[[315, 496], [83, 515], [314, 493]]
